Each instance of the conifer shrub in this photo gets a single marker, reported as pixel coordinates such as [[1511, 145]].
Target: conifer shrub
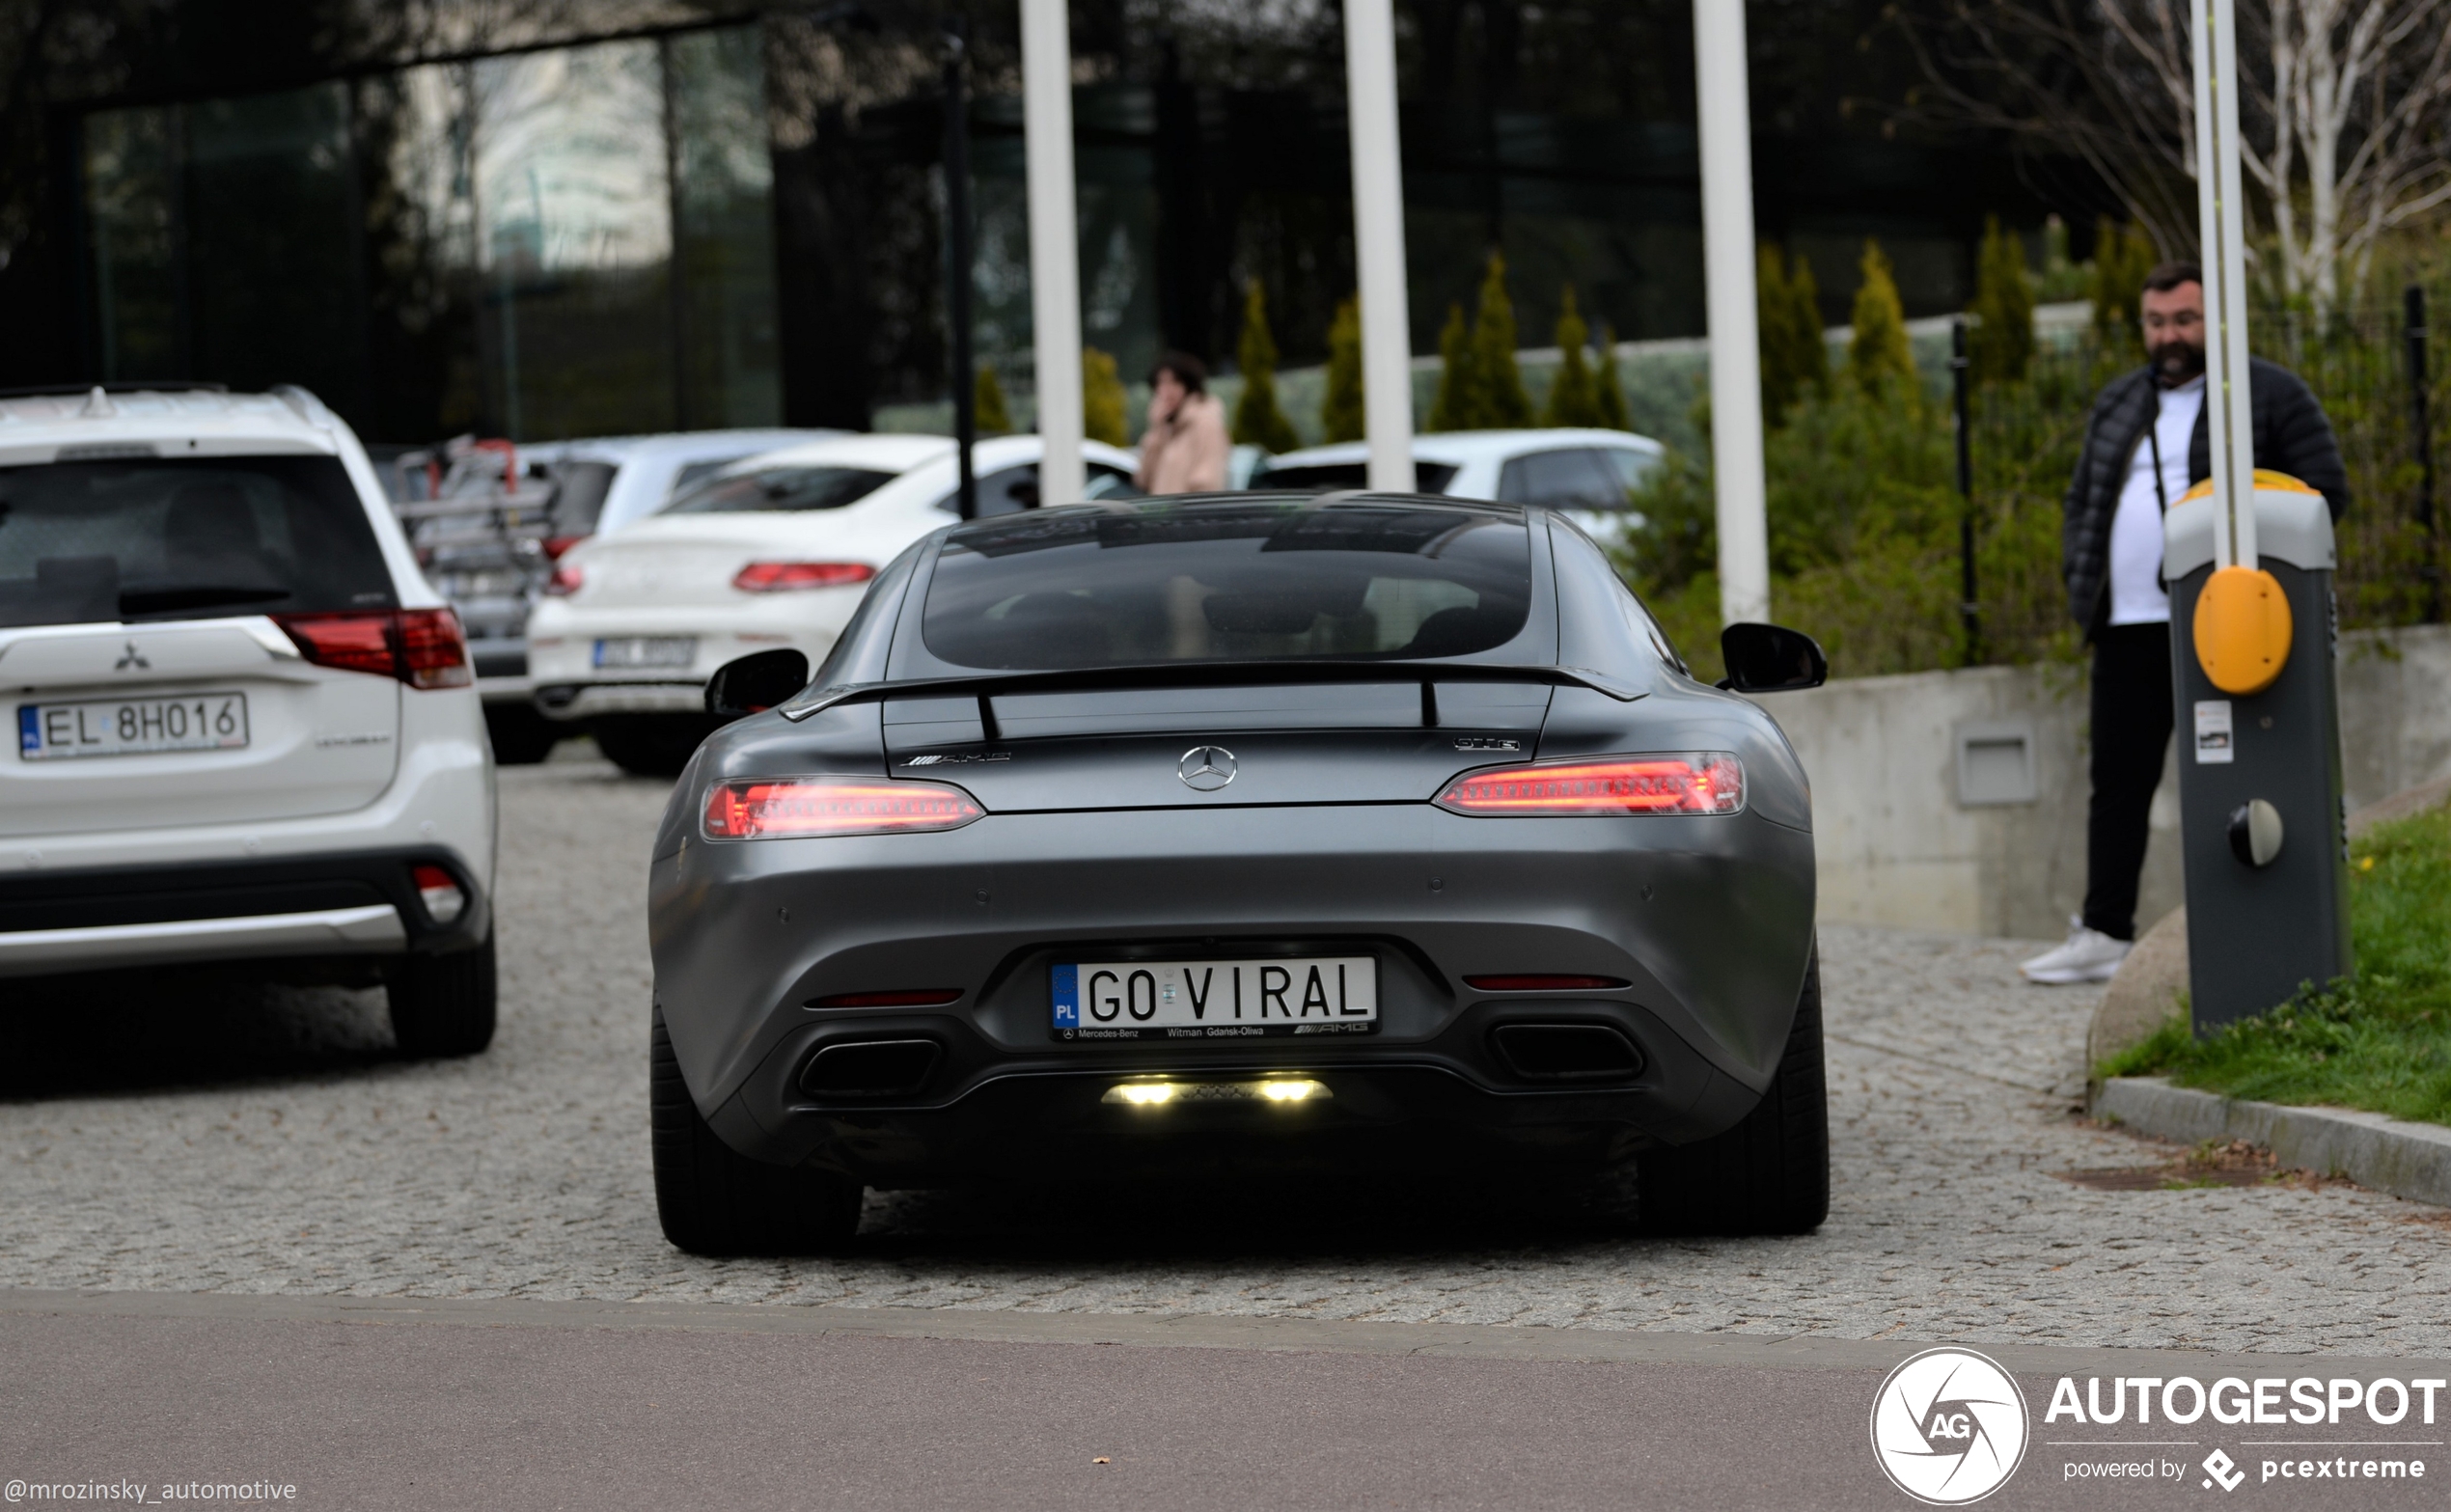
[[1341, 409], [1257, 420], [1102, 402]]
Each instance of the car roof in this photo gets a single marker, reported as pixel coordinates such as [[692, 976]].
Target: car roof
[[1458, 447], [198, 421], [682, 444], [904, 452]]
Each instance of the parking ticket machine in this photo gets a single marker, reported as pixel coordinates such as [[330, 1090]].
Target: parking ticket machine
[[2262, 829]]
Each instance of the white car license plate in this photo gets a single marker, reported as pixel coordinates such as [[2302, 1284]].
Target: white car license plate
[[646, 650], [131, 727], [1216, 1000]]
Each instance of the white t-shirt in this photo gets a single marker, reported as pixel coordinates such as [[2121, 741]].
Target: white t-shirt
[[2136, 594]]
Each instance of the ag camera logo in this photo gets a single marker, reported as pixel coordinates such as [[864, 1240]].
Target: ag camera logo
[[1949, 1427]]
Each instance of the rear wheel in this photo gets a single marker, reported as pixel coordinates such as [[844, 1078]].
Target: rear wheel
[[648, 744], [520, 736], [713, 1200], [1768, 1176], [443, 1005]]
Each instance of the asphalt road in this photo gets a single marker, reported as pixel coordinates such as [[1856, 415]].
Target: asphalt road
[[502, 1404]]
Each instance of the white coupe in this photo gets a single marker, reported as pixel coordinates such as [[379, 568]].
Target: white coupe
[[773, 552]]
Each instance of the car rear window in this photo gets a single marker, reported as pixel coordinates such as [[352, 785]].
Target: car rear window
[[1328, 476], [578, 498], [781, 489], [82, 543], [1229, 583]]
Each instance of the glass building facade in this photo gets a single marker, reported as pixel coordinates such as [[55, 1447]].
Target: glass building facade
[[741, 224]]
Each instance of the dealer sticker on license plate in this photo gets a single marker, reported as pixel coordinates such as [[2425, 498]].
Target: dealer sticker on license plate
[[646, 650], [131, 727], [1216, 1000]]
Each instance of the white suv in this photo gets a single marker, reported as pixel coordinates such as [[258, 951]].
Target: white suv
[[247, 727]]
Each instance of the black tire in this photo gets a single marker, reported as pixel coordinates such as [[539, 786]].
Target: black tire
[[443, 1005], [1768, 1176], [520, 736], [713, 1200], [648, 744]]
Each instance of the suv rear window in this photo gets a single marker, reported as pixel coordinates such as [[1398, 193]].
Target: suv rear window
[[83, 542], [784, 489], [1229, 583]]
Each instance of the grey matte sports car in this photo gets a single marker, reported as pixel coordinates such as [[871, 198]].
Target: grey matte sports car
[[1348, 832]]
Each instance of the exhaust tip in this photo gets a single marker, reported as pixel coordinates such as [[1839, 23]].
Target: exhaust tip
[[1567, 1051], [871, 1067]]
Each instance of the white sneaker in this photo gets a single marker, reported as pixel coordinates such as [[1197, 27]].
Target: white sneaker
[[2088, 956]]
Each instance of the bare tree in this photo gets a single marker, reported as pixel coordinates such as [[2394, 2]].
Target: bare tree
[[2342, 108]]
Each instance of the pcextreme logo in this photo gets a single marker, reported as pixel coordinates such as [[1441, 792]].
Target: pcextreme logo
[[1949, 1427]]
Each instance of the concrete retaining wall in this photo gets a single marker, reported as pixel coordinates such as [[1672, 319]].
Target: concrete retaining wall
[[1900, 845]]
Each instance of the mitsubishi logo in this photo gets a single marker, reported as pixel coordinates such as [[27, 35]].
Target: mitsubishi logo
[[132, 657], [1206, 768]]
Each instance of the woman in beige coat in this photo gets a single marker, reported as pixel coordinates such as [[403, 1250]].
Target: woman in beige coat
[[1184, 449]]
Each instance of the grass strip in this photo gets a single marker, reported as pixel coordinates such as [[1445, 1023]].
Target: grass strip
[[2378, 1041]]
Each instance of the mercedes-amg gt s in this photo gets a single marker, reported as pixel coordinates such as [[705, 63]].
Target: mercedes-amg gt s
[[1257, 833]]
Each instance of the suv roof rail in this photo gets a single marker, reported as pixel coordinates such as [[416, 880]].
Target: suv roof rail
[[117, 386]]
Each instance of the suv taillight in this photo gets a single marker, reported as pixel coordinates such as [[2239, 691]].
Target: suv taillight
[[1683, 781], [567, 578], [815, 806], [422, 647]]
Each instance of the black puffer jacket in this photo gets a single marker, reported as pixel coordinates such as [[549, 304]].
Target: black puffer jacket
[[2290, 436]]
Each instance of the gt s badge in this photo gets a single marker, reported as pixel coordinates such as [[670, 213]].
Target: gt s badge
[[1487, 743]]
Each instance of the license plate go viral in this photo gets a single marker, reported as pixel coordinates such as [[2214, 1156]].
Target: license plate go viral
[[1216, 1000]]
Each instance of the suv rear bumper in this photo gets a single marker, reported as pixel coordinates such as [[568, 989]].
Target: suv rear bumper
[[363, 904]]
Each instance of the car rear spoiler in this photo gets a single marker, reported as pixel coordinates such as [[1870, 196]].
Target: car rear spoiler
[[1210, 674]]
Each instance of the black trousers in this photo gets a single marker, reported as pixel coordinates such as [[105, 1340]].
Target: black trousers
[[2131, 735]]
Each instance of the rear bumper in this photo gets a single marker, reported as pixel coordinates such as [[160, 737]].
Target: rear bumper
[[1453, 1102], [364, 903], [587, 700], [1707, 920]]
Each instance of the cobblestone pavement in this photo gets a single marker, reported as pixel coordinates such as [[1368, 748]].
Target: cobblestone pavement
[[184, 1135]]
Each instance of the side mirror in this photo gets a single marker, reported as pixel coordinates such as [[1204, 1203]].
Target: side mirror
[[1770, 658], [755, 685]]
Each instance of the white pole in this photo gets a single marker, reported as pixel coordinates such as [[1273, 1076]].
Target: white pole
[[2222, 234], [1727, 266], [1054, 253], [1378, 242]]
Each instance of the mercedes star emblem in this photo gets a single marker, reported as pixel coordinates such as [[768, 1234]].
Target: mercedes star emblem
[[1206, 768]]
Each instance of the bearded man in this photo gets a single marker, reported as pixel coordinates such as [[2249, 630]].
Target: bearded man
[[2146, 444]]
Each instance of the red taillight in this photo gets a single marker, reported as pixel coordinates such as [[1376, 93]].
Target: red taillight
[[422, 647], [1686, 782], [567, 578], [1543, 983], [432, 652], [915, 998], [815, 806], [785, 577], [440, 893], [556, 545]]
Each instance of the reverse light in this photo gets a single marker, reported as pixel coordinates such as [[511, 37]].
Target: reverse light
[[786, 577], [439, 891], [1683, 781], [821, 805], [422, 647], [1539, 982], [567, 579], [1281, 1091]]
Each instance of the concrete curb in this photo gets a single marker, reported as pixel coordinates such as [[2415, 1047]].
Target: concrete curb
[[2407, 1160]]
